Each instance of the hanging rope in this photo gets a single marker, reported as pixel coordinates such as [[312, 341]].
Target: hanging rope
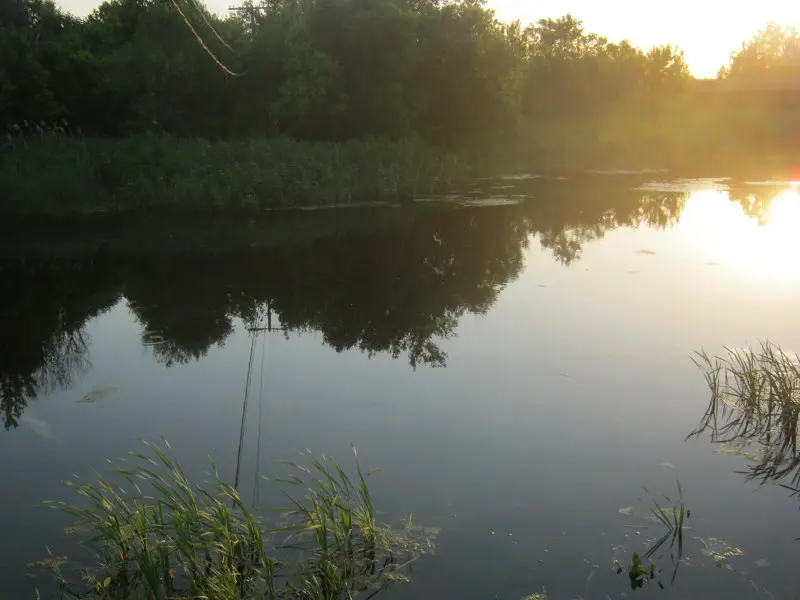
[[202, 43], [209, 25]]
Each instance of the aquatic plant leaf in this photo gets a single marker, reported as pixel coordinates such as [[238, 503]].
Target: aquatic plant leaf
[[736, 450], [98, 393]]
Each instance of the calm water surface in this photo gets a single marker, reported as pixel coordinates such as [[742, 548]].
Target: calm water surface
[[517, 371]]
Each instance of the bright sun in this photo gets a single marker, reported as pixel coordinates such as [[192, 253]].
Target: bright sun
[[727, 235]]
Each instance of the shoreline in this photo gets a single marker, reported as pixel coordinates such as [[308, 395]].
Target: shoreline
[[65, 177]]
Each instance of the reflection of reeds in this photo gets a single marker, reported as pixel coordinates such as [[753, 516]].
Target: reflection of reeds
[[755, 398], [673, 519], [164, 537]]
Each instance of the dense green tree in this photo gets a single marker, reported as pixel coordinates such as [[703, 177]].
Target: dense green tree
[[25, 93], [448, 71], [774, 52], [572, 72], [468, 75], [30, 35]]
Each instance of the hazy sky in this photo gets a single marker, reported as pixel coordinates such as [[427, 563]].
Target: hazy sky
[[708, 30]]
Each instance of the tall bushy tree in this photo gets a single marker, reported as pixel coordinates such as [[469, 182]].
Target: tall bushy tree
[[774, 52], [33, 34], [574, 72], [152, 70], [373, 42], [469, 70]]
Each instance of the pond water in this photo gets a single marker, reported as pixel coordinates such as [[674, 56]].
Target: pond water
[[516, 361]]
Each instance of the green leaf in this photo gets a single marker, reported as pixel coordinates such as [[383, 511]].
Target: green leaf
[[98, 393]]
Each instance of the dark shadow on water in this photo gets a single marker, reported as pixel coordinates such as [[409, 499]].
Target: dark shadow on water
[[391, 281]]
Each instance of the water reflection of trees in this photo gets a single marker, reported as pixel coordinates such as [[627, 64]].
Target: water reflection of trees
[[395, 290], [576, 213], [756, 200], [182, 302], [398, 288], [43, 312], [754, 409]]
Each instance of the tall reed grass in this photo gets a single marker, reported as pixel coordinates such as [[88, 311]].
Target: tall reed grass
[[56, 175], [755, 400], [154, 535]]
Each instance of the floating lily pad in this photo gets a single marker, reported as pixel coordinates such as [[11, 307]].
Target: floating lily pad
[[687, 185], [624, 171], [390, 577], [475, 201], [426, 532], [493, 201], [520, 177], [626, 510], [775, 183], [738, 450], [718, 549]]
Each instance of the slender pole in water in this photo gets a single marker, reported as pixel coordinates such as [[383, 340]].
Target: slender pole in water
[[244, 410], [254, 331], [256, 487]]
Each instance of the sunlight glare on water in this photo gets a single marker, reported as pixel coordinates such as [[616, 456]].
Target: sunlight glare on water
[[761, 245]]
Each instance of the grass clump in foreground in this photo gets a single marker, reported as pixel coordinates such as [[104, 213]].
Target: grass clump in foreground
[[672, 516], [163, 537], [755, 399], [673, 519], [58, 175]]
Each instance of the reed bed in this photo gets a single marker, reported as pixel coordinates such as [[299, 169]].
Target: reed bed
[[54, 175], [156, 536], [755, 401]]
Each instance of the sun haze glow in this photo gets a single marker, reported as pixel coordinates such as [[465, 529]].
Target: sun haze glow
[[707, 30], [722, 233]]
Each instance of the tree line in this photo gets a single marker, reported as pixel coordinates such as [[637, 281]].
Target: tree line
[[446, 71]]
